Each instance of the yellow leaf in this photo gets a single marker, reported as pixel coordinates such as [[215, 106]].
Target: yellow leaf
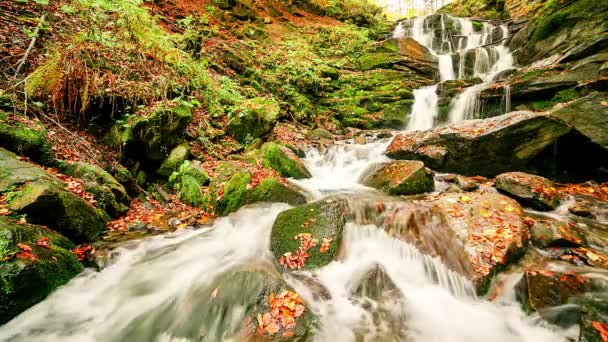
[[592, 256], [465, 199]]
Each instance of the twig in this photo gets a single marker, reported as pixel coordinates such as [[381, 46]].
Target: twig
[[31, 46]]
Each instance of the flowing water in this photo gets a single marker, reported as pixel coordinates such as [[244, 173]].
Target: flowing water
[[462, 52], [158, 289]]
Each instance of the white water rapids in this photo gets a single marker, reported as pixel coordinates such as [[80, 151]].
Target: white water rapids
[[151, 291]]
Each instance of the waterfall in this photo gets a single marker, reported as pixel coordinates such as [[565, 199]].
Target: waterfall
[[424, 110], [456, 42], [507, 88]]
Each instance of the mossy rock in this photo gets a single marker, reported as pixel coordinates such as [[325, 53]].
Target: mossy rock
[[148, 139], [24, 282], [406, 177], [188, 181], [319, 133], [593, 308], [253, 119], [110, 195], [227, 308], [284, 160], [27, 141], [177, 156], [235, 186], [59, 209], [125, 178], [322, 219], [14, 172]]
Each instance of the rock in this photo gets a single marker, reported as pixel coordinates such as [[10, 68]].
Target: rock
[[517, 141], [323, 219], [580, 209], [59, 209], [177, 156], [399, 52], [43, 198], [125, 178], [404, 177], [28, 141], [233, 182], [551, 233], [284, 160], [110, 195], [319, 133], [593, 308], [535, 191], [148, 138], [588, 115], [466, 184], [255, 118], [26, 282], [188, 181], [360, 140], [540, 289]]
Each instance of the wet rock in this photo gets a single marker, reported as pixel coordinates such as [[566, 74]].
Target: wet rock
[[360, 140], [594, 309], [588, 115], [26, 281], [466, 184], [43, 198], [110, 195], [322, 219], [374, 284], [188, 181], [551, 233], [28, 141], [319, 133], [535, 191], [540, 289], [518, 141], [395, 52], [400, 178], [284, 160], [255, 118], [149, 138], [177, 156], [580, 209], [228, 308]]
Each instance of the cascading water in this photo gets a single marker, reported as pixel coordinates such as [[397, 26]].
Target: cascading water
[[462, 52]]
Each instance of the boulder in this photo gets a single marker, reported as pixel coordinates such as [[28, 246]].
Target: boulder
[[588, 115], [593, 310], [188, 181], [25, 140], [517, 141], [42, 197], [319, 133], [254, 118], [147, 139], [27, 278], [535, 191], [323, 219], [232, 188], [284, 160], [550, 233], [110, 195], [404, 177], [177, 156], [541, 288]]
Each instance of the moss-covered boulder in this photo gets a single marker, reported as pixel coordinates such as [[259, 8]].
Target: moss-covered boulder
[[404, 177], [42, 197], [254, 118], [233, 188], [177, 156], [150, 138], [110, 195], [188, 181], [284, 160], [27, 141], [59, 209], [324, 219], [535, 191], [25, 280]]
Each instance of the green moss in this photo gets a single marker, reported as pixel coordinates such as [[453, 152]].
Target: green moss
[[188, 181], [177, 156], [27, 141], [284, 161], [23, 282], [323, 219], [234, 193], [272, 190], [253, 119], [562, 96]]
